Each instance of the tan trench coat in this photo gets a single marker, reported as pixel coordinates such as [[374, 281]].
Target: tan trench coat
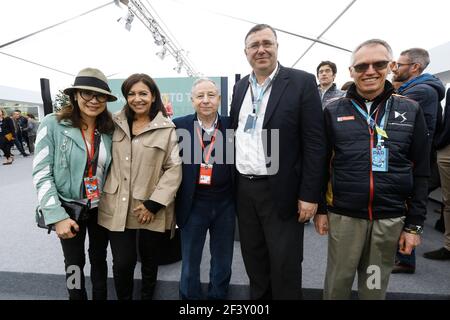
[[147, 167]]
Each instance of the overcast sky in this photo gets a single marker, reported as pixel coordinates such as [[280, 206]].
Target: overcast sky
[[213, 41]]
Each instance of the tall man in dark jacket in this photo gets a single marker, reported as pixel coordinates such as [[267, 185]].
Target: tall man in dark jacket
[[205, 200], [428, 91], [280, 154], [377, 187], [443, 158]]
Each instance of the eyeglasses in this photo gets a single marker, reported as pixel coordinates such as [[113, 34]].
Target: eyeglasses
[[399, 65], [89, 95], [265, 44], [363, 67]]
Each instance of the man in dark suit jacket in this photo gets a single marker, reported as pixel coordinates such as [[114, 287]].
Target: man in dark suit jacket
[[205, 198], [280, 162]]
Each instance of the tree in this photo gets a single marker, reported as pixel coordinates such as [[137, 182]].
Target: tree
[[61, 100]]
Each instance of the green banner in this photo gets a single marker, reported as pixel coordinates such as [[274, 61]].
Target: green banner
[[177, 91]]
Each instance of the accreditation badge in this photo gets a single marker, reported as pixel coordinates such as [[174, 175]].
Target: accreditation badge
[[91, 187], [380, 156], [250, 124], [205, 174]]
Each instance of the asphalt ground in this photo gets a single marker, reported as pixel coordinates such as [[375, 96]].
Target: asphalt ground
[[32, 268]]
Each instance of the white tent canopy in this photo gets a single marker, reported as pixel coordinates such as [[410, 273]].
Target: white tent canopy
[[211, 34]]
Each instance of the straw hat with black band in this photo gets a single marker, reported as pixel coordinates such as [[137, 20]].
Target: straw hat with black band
[[93, 80]]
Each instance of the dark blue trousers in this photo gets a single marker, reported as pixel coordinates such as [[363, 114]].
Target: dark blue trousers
[[217, 217]]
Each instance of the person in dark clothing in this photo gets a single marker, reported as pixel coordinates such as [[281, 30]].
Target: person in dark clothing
[[377, 185], [23, 124], [442, 144], [6, 136], [280, 156], [19, 133], [428, 91], [205, 199], [326, 73]]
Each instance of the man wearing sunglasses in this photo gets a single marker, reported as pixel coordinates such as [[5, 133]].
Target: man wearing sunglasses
[[428, 91], [378, 171]]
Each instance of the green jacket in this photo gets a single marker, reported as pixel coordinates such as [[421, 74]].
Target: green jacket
[[59, 164]]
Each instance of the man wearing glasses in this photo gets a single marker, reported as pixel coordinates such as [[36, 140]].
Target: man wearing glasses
[[378, 173], [428, 91], [280, 158]]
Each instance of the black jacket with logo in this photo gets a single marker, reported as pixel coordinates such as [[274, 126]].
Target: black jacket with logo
[[357, 191]]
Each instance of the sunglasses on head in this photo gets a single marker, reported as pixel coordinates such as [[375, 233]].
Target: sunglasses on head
[[379, 65]]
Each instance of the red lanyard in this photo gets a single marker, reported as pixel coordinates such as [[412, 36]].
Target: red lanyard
[[91, 153], [211, 145]]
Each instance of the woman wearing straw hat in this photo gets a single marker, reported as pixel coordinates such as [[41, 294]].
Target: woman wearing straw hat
[[72, 156], [140, 190]]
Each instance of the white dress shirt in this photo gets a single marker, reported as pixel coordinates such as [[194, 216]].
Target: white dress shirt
[[250, 156]]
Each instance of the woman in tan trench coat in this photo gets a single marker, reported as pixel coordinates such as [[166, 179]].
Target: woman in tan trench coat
[[140, 189]]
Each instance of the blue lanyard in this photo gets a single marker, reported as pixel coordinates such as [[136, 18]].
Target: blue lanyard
[[371, 122], [256, 103]]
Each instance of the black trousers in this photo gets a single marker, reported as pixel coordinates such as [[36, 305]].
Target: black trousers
[[5, 146], [272, 248], [74, 260], [151, 244], [19, 145], [123, 246]]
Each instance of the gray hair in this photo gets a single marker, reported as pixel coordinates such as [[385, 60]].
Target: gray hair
[[201, 80], [372, 42], [418, 55]]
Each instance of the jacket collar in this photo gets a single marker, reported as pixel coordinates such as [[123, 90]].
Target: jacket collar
[[279, 84], [361, 101], [333, 87], [159, 122], [73, 133]]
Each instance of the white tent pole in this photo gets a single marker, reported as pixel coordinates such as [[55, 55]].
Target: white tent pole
[[55, 25], [37, 64], [320, 36], [284, 31]]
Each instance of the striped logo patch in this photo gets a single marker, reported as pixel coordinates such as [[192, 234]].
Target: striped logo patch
[[346, 118]]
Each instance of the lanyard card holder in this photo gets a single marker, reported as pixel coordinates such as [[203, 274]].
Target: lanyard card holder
[[250, 124], [380, 156]]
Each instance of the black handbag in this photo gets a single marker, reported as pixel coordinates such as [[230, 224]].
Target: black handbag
[[77, 211], [171, 251]]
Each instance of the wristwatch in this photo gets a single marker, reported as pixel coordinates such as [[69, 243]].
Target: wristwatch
[[413, 229]]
